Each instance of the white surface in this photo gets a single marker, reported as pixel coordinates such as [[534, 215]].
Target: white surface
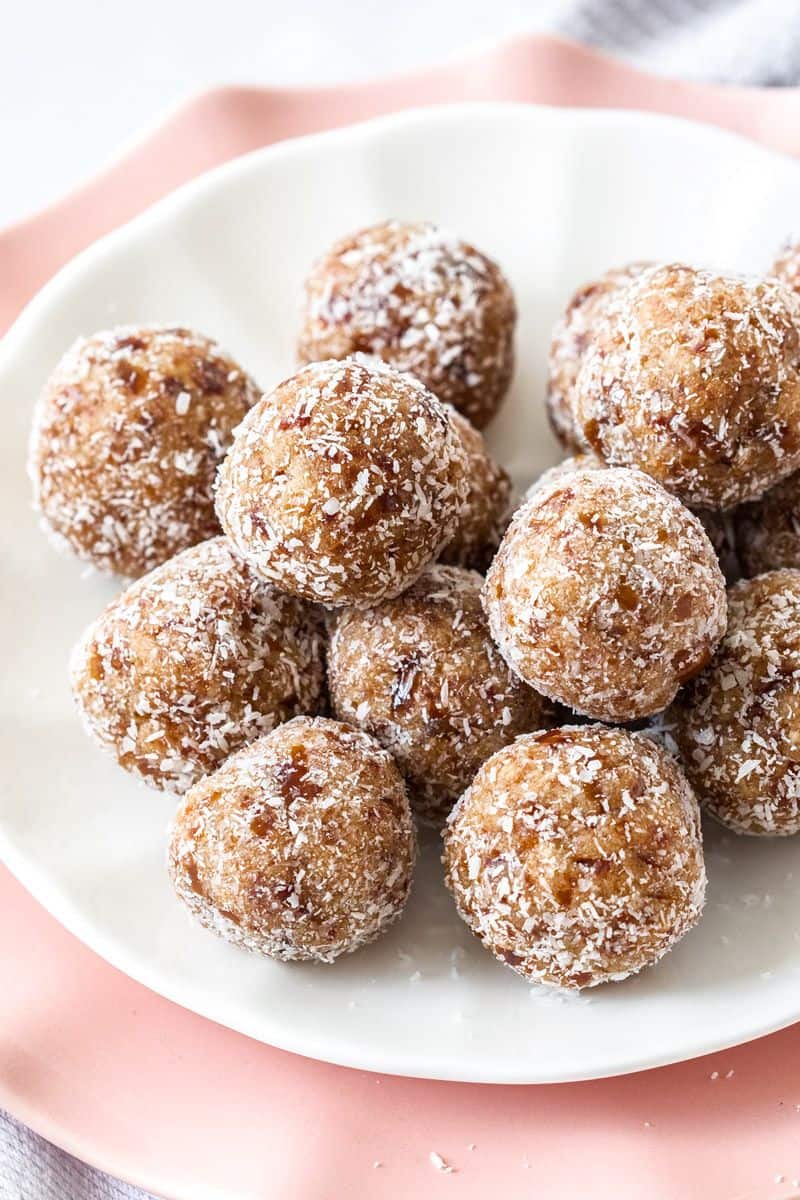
[[77, 80], [556, 196]]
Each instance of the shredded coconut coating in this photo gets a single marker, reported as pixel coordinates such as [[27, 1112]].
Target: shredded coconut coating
[[606, 594], [694, 378], [343, 483], [487, 509], [422, 300], [126, 442], [571, 337], [719, 526], [193, 661], [786, 267], [768, 530], [737, 725], [421, 675], [576, 855], [301, 846]]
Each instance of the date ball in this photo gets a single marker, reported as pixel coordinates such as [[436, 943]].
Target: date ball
[[786, 267], [768, 530], [193, 661], [695, 379], [576, 856], [606, 594], [421, 675], [487, 509], [422, 300], [571, 337], [718, 525], [343, 483], [737, 725], [301, 846], [126, 442]]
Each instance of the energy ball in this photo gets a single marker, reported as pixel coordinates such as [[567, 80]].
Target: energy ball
[[606, 594], [737, 725], [768, 530], [719, 526], [786, 267], [343, 483], [301, 846], [424, 301], [695, 379], [571, 337], [421, 675], [126, 442], [193, 661], [576, 856], [487, 509]]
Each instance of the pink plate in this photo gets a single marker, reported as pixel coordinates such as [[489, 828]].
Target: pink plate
[[148, 1091]]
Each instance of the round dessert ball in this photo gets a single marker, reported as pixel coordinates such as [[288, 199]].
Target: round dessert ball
[[571, 337], [718, 525], [576, 856], [301, 846], [737, 725], [126, 442], [422, 300], [421, 674], [343, 483], [768, 530], [606, 594], [487, 509], [786, 267], [695, 379], [193, 661]]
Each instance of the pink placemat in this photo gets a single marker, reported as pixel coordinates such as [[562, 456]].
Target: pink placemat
[[185, 1108]]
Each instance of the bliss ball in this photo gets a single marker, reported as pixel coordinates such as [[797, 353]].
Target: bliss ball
[[571, 338], [343, 483], [786, 267], [767, 531], [421, 674], [737, 726], [719, 526], [606, 594], [301, 846], [695, 379], [487, 509], [576, 856], [422, 300], [193, 661], [126, 442]]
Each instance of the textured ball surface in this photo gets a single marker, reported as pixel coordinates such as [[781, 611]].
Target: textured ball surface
[[301, 846], [695, 379], [767, 531], [737, 725], [191, 662], [719, 526], [421, 674], [786, 267], [126, 442], [576, 856], [487, 509], [571, 338], [343, 483], [422, 300], [606, 594]]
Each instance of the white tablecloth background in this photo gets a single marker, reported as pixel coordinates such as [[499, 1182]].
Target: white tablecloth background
[[78, 79]]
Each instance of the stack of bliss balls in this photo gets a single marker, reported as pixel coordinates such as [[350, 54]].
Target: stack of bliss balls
[[337, 625]]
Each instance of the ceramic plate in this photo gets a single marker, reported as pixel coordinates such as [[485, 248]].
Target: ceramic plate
[[556, 196]]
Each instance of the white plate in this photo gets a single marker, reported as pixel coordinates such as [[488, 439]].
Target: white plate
[[556, 196]]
